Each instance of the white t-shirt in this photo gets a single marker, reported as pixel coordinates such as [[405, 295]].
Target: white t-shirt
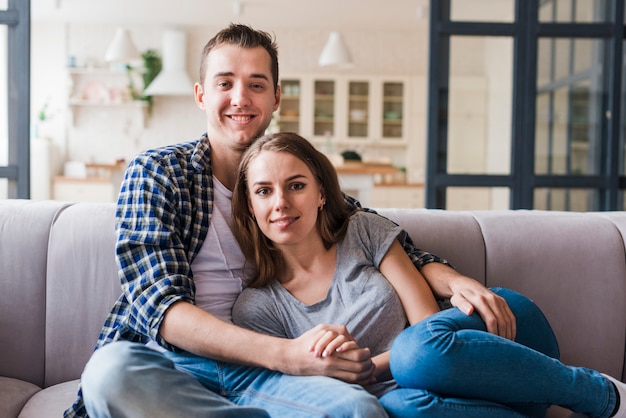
[[218, 269]]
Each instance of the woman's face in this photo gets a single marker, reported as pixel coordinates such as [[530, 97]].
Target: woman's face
[[284, 197]]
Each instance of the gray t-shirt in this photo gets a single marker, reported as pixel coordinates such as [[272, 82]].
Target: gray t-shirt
[[359, 295]]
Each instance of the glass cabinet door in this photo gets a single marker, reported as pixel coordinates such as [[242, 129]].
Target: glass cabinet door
[[289, 113], [358, 105], [324, 108], [393, 105]]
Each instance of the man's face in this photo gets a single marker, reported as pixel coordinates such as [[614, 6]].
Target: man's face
[[238, 95]]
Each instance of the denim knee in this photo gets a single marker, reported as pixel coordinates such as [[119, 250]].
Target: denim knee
[[108, 374]]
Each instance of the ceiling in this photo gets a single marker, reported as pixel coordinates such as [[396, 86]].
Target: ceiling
[[262, 14]]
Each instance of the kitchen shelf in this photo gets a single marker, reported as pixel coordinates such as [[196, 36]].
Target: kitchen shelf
[[101, 88]]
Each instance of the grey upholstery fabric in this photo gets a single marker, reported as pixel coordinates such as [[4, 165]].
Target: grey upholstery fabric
[[59, 280], [573, 266], [51, 402], [24, 230], [14, 394], [82, 286]]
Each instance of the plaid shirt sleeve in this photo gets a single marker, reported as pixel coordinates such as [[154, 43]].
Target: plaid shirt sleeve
[[153, 224], [419, 257], [152, 259]]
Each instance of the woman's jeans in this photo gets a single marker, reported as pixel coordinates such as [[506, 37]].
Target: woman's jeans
[[449, 366], [124, 379]]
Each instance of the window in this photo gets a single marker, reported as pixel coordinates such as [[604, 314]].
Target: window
[[527, 105]]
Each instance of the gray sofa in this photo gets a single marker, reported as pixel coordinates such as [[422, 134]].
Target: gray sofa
[[58, 281]]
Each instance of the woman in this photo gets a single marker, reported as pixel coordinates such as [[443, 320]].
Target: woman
[[319, 264]]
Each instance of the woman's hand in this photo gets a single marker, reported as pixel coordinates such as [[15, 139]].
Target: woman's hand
[[330, 350]]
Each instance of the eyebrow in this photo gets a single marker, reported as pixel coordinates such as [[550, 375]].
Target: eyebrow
[[230, 74], [290, 178]]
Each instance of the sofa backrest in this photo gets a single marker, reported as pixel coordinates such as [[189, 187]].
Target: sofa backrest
[[82, 286], [572, 265], [24, 230], [59, 278]]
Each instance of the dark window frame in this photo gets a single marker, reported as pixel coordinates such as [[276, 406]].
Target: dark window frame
[[526, 30], [17, 18]]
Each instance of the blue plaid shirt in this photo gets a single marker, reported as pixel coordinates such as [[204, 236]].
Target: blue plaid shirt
[[162, 218]]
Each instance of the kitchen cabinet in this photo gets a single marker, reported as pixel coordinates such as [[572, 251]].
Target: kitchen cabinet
[[353, 110], [95, 89]]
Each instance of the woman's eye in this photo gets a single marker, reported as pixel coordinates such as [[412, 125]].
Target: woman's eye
[[261, 192], [297, 186]]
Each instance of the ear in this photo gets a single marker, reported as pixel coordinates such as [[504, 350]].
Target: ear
[[277, 98], [322, 197], [198, 95]]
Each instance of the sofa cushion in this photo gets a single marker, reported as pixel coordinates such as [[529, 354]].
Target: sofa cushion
[[51, 402], [14, 394]]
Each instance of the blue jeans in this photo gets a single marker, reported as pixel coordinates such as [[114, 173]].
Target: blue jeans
[[449, 366], [124, 379]]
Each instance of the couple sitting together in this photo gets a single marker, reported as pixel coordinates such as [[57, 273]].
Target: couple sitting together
[[252, 286]]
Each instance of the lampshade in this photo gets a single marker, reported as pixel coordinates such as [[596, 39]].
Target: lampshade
[[122, 49], [173, 79], [335, 52]]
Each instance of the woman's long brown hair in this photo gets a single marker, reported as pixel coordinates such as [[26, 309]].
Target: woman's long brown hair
[[332, 220]]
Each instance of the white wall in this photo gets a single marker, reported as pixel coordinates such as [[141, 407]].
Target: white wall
[[101, 137]]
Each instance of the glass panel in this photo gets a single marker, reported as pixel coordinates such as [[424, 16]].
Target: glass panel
[[574, 200], [480, 102], [393, 110], [570, 107], [324, 117], [575, 11], [289, 113], [477, 198], [482, 10], [358, 105]]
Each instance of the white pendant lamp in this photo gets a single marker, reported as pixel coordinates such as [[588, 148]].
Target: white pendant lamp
[[335, 52], [173, 79], [122, 49]]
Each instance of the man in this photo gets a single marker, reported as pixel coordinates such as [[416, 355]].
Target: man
[[168, 348]]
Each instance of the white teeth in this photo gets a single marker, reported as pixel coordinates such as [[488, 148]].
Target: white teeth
[[240, 118]]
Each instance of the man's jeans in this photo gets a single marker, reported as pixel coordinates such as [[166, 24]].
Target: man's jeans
[[449, 366], [124, 379]]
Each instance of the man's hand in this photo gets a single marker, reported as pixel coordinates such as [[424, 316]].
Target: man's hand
[[330, 350], [469, 295]]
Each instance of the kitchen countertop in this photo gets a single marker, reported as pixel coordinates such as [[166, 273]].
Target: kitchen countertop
[[365, 168]]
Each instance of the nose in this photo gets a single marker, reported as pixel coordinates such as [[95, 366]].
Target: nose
[[240, 96], [280, 201]]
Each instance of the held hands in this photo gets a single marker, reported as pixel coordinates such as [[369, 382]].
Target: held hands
[[330, 350]]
